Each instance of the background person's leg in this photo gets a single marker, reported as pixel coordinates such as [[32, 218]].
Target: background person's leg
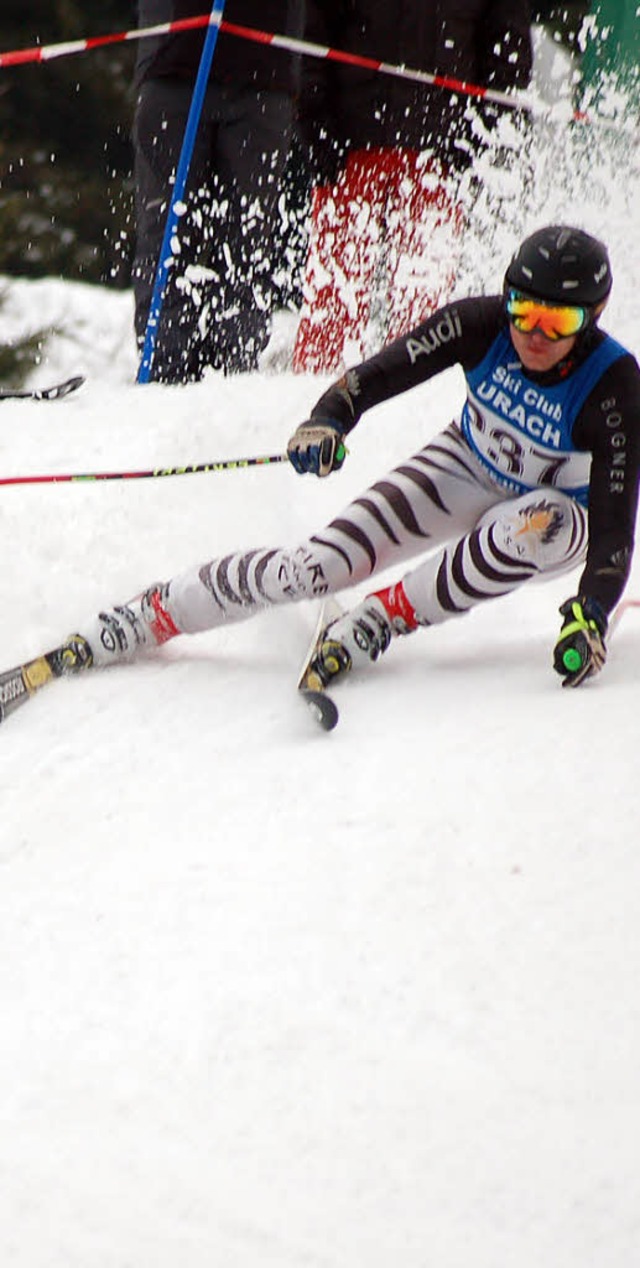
[[237, 285]]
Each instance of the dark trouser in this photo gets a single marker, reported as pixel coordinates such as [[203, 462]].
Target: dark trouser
[[219, 296]]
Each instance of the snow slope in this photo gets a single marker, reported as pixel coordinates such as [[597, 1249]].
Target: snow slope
[[277, 999]]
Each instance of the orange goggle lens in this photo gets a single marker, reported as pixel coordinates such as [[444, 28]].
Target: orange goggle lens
[[554, 321]]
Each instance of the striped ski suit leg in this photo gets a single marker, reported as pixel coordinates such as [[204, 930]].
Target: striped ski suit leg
[[542, 533], [481, 544], [437, 494]]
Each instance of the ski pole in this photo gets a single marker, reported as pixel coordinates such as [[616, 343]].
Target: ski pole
[[195, 468], [171, 227], [618, 613]]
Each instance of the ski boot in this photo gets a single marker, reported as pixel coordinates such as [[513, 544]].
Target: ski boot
[[363, 634], [120, 633]]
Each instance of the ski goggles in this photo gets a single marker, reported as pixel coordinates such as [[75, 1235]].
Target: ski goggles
[[555, 321]]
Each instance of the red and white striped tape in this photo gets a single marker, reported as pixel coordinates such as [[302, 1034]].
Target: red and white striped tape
[[47, 52]]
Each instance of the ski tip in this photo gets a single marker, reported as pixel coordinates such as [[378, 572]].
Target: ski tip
[[75, 382], [63, 389], [14, 691], [322, 708]]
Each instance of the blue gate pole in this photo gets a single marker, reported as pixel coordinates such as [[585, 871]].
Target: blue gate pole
[[166, 252]]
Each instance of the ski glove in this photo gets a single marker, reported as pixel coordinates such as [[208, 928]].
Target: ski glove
[[580, 651], [317, 447]]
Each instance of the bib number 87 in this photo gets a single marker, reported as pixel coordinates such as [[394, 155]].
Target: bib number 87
[[536, 466]]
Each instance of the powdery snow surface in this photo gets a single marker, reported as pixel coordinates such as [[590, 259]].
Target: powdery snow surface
[[277, 999]]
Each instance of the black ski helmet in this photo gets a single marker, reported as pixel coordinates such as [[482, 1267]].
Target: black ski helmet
[[563, 265]]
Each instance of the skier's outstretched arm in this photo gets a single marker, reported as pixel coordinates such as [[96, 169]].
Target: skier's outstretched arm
[[458, 333]]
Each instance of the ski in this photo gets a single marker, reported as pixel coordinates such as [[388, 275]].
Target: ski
[[311, 688], [53, 393], [321, 706], [18, 685]]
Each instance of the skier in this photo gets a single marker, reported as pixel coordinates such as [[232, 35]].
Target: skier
[[538, 475]]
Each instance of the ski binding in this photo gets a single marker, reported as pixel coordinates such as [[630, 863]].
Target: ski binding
[[18, 685], [311, 688]]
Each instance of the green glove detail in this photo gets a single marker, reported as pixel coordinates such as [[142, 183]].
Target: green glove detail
[[580, 651]]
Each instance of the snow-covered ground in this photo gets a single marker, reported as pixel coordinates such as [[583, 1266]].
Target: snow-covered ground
[[276, 999]]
